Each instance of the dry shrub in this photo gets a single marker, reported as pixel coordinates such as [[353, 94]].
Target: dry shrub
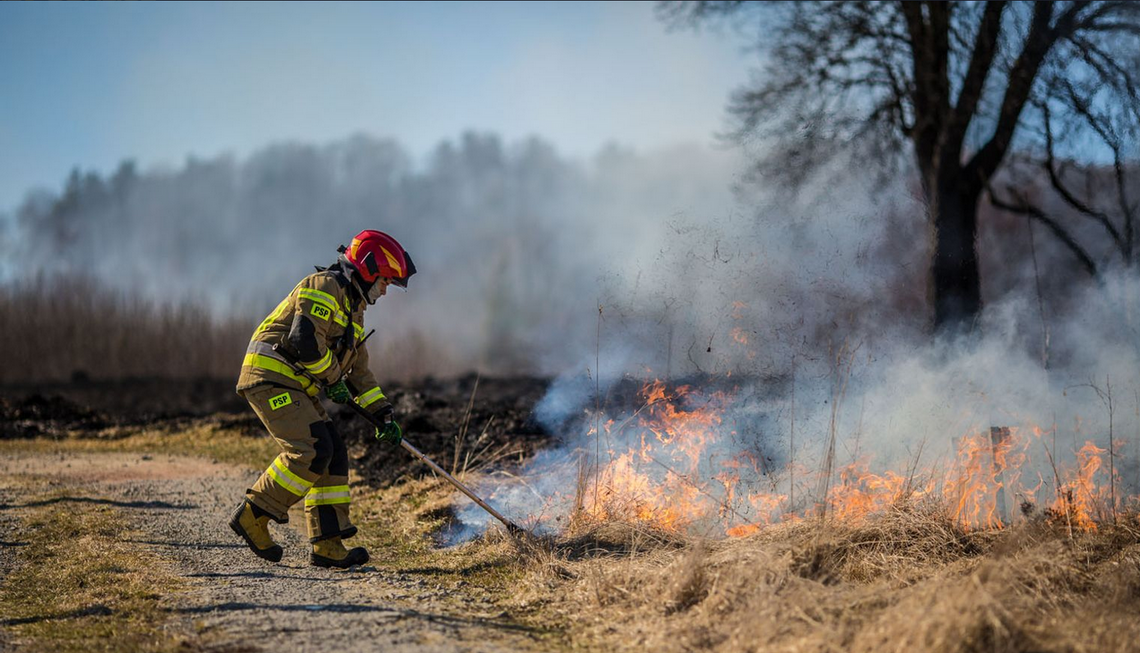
[[888, 545], [687, 581], [958, 615], [412, 354], [73, 328]]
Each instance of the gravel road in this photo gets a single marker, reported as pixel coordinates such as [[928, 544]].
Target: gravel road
[[179, 507]]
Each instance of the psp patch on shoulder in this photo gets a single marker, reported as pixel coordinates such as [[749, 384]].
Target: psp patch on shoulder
[[321, 311], [280, 401]]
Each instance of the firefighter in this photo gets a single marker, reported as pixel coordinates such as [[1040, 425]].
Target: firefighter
[[320, 328]]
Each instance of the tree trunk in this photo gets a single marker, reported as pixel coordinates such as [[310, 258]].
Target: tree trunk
[[957, 282]]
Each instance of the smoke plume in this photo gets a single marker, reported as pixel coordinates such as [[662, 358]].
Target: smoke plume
[[799, 322]]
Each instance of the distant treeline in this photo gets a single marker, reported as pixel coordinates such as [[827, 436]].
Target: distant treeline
[[510, 238]]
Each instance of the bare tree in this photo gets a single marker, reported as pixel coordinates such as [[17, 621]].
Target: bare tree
[[943, 88]]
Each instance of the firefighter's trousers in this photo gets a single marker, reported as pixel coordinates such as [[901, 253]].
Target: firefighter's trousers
[[313, 464]]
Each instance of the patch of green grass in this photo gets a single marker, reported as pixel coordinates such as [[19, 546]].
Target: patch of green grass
[[204, 440], [78, 586]]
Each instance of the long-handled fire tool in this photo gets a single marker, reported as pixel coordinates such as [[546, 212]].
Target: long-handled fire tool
[[512, 528]]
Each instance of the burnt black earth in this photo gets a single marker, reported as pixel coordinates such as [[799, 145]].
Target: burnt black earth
[[433, 413]]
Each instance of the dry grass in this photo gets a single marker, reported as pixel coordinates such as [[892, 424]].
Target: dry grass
[[78, 586], [204, 438], [903, 581], [906, 580]]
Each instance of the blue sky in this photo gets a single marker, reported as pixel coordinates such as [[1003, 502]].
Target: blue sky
[[90, 84]]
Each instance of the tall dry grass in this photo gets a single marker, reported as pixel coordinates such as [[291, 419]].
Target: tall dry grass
[[61, 328], [64, 328], [904, 580]]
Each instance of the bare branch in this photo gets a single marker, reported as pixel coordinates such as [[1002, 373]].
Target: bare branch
[[981, 60], [1110, 71], [689, 14], [1058, 184], [1022, 207], [1041, 37], [1127, 211]]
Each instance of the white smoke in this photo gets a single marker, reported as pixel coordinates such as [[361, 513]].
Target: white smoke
[[827, 297]]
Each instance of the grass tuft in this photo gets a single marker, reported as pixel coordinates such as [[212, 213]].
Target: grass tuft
[[77, 586]]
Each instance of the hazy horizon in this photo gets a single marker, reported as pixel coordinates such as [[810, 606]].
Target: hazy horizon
[[89, 86]]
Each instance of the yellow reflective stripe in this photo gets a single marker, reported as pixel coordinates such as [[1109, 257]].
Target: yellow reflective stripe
[[329, 488], [320, 297], [325, 299], [285, 482], [358, 329], [291, 475], [273, 316], [322, 364], [323, 496], [288, 479], [372, 396], [327, 502], [274, 365]]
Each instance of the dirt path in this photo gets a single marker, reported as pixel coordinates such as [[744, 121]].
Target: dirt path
[[179, 506]]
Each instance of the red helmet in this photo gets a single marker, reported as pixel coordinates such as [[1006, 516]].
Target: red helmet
[[375, 254]]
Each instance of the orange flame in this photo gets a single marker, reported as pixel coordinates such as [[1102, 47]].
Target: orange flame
[[676, 477], [1078, 497]]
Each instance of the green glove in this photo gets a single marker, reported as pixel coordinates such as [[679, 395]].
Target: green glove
[[391, 434], [338, 393]]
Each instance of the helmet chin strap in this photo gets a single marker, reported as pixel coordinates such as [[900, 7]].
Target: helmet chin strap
[[354, 276]]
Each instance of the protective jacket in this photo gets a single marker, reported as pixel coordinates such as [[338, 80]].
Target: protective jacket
[[321, 323]]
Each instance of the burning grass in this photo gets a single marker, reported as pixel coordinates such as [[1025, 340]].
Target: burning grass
[[705, 463], [920, 557], [666, 543]]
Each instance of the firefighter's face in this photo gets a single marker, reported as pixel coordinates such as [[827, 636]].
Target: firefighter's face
[[378, 289]]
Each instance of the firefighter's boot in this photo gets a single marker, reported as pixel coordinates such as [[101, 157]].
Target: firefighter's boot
[[331, 553], [253, 526]]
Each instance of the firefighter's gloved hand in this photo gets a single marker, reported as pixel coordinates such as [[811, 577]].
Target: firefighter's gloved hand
[[338, 393], [391, 433]]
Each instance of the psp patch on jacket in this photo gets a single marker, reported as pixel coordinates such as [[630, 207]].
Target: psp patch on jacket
[[321, 311], [280, 401]]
